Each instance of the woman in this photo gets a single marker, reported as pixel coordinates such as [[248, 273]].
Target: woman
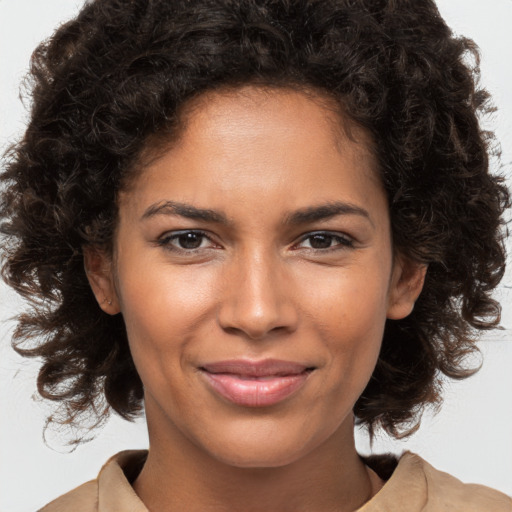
[[266, 219]]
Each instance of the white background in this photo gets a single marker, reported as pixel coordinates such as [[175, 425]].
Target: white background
[[472, 436]]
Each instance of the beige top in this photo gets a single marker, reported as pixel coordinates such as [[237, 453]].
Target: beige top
[[414, 486]]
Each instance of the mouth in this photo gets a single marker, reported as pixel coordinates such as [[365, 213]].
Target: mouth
[[255, 383]]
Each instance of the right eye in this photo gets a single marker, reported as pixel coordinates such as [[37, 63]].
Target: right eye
[[185, 241]]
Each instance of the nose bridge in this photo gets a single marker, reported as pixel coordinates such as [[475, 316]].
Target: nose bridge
[[256, 298]]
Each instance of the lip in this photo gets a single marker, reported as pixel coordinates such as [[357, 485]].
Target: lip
[[255, 383]]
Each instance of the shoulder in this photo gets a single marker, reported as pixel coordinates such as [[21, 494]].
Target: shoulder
[[416, 486], [446, 492], [111, 490], [81, 499]]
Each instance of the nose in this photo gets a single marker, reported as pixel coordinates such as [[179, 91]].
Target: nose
[[257, 298]]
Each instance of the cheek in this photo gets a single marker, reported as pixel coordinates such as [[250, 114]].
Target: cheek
[[159, 294], [348, 300], [162, 308], [348, 309]]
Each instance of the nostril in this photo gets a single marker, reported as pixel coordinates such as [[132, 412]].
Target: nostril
[[253, 334]]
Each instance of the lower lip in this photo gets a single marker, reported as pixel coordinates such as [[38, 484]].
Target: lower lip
[[255, 392]]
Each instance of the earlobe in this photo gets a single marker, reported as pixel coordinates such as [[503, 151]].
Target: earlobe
[[98, 268], [406, 285]]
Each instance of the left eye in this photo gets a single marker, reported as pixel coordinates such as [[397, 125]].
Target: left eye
[[324, 241], [186, 240]]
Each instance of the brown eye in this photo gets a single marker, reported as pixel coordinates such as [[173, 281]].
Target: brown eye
[[324, 241], [185, 241], [320, 241], [190, 240]]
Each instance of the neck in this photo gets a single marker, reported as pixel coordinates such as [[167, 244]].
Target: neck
[[180, 476]]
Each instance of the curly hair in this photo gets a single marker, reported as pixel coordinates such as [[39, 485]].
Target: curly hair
[[109, 81]]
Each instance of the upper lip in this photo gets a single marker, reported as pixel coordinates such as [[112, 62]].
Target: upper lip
[[260, 368]]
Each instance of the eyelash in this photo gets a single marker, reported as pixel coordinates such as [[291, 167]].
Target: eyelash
[[343, 242], [167, 239]]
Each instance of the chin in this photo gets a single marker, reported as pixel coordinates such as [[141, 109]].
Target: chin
[[254, 459], [262, 449]]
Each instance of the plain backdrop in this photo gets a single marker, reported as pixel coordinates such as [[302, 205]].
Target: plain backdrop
[[471, 437]]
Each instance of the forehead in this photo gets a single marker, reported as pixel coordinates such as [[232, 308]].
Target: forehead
[[255, 109], [255, 138]]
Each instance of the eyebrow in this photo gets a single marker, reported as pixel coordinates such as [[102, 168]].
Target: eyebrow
[[184, 210], [301, 216], [326, 211]]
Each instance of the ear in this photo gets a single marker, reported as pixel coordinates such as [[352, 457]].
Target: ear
[[99, 271], [406, 284]]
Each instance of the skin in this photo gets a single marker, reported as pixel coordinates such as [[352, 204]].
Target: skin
[[257, 286]]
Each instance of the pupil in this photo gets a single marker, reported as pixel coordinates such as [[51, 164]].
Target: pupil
[[190, 240], [320, 241]]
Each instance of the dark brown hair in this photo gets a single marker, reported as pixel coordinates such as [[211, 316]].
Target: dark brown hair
[[106, 82]]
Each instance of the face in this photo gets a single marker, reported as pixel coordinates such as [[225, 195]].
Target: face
[[254, 271]]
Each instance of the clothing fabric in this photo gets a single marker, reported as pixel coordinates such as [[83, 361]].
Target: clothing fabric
[[414, 486]]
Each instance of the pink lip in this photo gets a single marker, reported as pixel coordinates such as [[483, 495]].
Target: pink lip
[[255, 383]]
